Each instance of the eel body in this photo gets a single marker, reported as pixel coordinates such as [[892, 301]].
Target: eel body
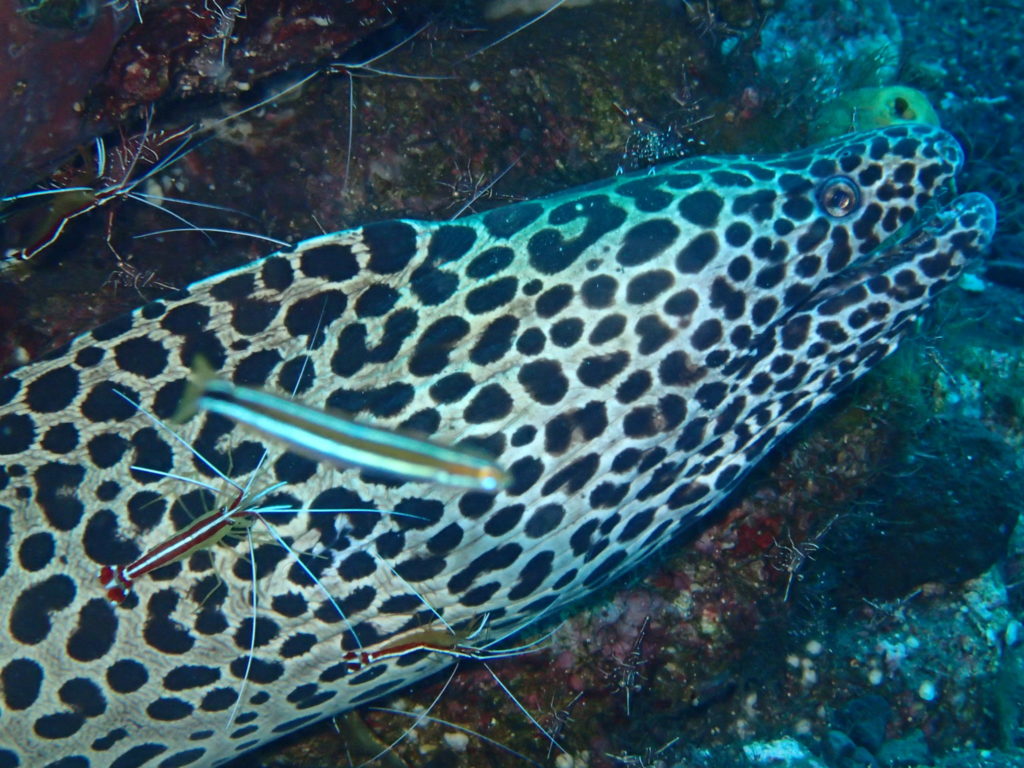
[[627, 350]]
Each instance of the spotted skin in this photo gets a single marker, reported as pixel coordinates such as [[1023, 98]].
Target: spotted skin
[[627, 350]]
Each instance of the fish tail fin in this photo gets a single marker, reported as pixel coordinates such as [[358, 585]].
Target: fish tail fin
[[202, 374]]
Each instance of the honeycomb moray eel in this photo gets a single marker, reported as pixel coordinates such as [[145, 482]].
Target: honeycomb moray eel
[[628, 350]]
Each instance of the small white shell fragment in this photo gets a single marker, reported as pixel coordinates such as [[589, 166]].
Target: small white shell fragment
[[457, 740]]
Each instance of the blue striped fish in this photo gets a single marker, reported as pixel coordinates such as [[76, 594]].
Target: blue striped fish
[[330, 437]]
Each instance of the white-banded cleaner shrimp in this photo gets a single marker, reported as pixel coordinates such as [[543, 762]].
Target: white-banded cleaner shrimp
[[121, 173], [241, 509], [234, 507], [464, 643], [133, 167]]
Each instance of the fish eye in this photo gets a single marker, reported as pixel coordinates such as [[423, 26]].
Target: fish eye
[[839, 196]]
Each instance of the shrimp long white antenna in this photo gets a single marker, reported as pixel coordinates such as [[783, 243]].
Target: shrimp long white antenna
[[244, 490], [189, 226], [298, 561], [177, 438], [365, 64], [42, 192], [239, 509], [515, 650], [181, 478], [481, 192], [276, 508], [252, 636], [419, 719], [218, 230], [455, 726], [156, 199], [244, 507], [515, 31], [210, 126], [349, 67], [523, 709], [413, 589]]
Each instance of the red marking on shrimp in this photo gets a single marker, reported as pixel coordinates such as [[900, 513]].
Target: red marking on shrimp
[[203, 532]]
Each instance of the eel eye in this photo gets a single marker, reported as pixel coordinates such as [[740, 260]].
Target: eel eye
[[839, 196]]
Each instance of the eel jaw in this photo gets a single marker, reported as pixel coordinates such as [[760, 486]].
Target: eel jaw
[[956, 232]]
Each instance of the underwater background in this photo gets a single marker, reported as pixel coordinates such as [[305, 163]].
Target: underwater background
[[858, 601]]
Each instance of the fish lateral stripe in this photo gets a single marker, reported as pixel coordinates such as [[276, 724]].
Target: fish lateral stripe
[[344, 443]]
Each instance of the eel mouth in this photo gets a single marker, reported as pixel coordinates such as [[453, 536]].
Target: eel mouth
[[954, 230]]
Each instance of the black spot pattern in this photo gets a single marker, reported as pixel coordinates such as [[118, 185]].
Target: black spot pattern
[[94, 636], [599, 292], [60, 725], [551, 252], [491, 403], [22, 680], [544, 381], [335, 263], [702, 208], [126, 675], [534, 573], [697, 253], [451, 388], [607, 328], [188, 676], [53, 481], [435, 344], [161, 631], [433, 286], [36, 551], [52, 391], [647, 286], [17, 432], [490, 262], [654, 334], [598, 370], [646, 241], [391, 244], [62, 438], [450, 242], [554, 300], [30, 618], [505, 222], [496, 340], [646, 195], [89, 357], [84, 696], [491, 296], [626, 351]]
